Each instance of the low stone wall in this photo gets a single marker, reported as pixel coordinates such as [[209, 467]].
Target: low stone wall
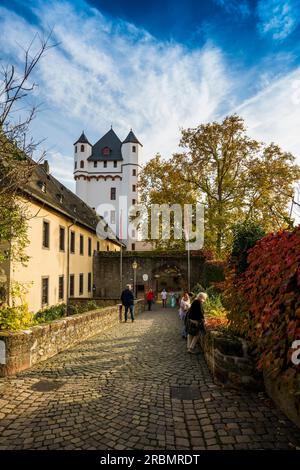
[[229, 361], [289, 404], [100, 302], [22, 349]]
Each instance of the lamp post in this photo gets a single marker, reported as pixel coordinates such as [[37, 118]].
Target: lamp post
[[157, 276], [134, 267]]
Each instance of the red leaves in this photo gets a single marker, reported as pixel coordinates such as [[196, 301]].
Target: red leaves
[[270, 288]]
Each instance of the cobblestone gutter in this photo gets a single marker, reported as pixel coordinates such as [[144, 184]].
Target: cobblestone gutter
[[22, 349]]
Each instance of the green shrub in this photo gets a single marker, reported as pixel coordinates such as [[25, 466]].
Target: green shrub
[[213, 305], [15, 318], [213, 272], [245, 235], [92, 305], [82, 307], [72, 309], [50, 313]]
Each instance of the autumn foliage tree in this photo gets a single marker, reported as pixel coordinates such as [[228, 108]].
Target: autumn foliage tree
[[237, 177]]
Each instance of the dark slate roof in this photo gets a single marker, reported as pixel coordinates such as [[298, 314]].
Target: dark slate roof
[[110, 140], [61, 199], [82, 139], [131, 138]]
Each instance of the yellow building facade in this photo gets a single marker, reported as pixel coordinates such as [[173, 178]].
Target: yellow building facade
[[62, 241]]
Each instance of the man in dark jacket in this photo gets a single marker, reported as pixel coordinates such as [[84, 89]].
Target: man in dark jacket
[[127, 299]]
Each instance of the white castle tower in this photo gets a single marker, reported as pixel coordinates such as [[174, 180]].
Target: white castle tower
[[106, 175]]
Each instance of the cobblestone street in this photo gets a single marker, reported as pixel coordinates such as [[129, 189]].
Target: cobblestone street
[[118, 391]]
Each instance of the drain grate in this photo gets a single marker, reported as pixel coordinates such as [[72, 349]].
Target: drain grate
[[185, 393], [46, 386]]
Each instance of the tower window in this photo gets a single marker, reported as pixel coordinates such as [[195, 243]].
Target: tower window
[[134, 172], [106, 151], [81, 164], [82, 148], [133, 202], [134, 188], [115, 164], [105, 164], [134, 148], [133, 246], [75, 148], [112, 194], [95, 164], [75, 165], [112, 217]]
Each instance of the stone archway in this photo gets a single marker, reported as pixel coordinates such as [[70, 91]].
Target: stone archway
[[170, 277]]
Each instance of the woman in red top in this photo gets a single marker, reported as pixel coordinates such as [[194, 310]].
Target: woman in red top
[[150, 298]]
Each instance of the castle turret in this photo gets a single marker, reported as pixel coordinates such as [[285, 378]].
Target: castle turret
[[131, 151], [104, 172], [131, 148], [82, 150]]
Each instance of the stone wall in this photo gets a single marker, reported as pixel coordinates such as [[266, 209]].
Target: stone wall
[[289, 404], [107, 270], [22, 349], [229, 361]]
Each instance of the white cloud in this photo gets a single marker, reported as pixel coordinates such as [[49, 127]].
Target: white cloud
[[273, 115], [107, 72], [278, 17]]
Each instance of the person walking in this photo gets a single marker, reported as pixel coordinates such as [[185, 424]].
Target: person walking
[[172, 299], [195, 321], [185, 304], [127, 299], [164, 296], [150, 299]]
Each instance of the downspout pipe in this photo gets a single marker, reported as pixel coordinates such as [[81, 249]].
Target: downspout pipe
[[68, 265]]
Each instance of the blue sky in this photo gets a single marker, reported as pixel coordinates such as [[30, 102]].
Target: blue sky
[[157, 67]]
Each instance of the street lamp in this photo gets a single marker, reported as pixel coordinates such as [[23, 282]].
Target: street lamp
[[134, 267], [157, 276]]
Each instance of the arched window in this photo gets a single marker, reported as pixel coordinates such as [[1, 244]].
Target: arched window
[[75, 148], [81, 164], [134, 148], [81, 148], [106, 151]]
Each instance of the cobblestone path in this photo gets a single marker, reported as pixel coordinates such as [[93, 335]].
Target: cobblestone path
[[118, 390]]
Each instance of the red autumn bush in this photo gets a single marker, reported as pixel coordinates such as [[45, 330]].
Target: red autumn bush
[[267, 299]]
